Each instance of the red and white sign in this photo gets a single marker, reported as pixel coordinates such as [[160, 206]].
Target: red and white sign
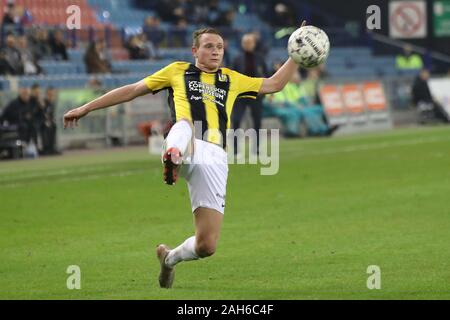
[[374, 96], [407, 19], [330, 96], [353, 98]]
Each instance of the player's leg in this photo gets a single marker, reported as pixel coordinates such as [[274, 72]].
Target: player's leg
[[207, 190], [208, 223], [203, 244], [178, 145]]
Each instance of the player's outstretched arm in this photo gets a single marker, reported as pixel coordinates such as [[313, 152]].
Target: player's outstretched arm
[[280, 78], [113, 97]]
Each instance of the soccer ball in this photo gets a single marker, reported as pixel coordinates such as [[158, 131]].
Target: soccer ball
[[308, 46]]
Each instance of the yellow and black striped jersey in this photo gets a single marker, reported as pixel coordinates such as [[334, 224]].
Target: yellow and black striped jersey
[[203, 98]]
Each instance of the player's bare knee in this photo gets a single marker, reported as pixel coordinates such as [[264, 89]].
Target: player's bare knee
[[205, 248]]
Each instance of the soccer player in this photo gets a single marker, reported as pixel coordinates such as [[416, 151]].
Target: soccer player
[[199, 93]]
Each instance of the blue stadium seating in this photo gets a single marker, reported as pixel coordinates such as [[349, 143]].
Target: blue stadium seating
[[351, 62], [4, 84], [119, 12]]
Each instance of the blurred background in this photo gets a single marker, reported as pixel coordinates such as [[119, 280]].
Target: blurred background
[[389, 66]]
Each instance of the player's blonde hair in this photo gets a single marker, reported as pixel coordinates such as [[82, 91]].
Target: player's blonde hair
[[197, 34]]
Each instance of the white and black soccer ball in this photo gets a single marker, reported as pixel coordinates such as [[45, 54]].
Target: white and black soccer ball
[[308, 46]]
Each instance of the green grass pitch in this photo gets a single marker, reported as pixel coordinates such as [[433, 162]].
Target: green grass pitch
[[310, 232]]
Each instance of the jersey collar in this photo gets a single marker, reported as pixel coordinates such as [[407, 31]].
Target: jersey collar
[[193, 68]]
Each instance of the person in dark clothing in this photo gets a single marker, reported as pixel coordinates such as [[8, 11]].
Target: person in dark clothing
[[35, 106], [5, 66], [48, 125], [251, 64], [95, 59], [29, 61], [226, 54], [39, 43], [170, 10], [137, 49], [421, 91], [18, 113], [153, 31], [8, 18], [58, 46], [178, 34], [12, 114], [423, 99], [12, 55], [260, 46]]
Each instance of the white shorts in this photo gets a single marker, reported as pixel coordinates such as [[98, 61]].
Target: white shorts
[[206, 174]]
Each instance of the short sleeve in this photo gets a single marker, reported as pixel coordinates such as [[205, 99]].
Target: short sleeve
[[248, 86], [161, 79]]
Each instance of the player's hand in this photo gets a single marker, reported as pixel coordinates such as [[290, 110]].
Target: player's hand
[[303, 23], [71, 117]]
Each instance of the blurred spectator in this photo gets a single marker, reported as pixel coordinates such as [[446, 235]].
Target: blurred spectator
[[5, 67], [12, 55], [261, 47], [217, 17], [15, 16], [214, 13], [423, 100], [18, 113], [22, 16], [35, 101], [95, 58], [310, 86], [249, 63], [322, 71], [58, 46], [137, 49], [170, 10], [198, 11], [228, 18], [148, 45], [408, 60], [298, 115], [39, 43], [9, 17], [282, 105], [36, 106], [178, 34], [153, 31], [281, 13], [48, 125], [13, 113], [226, 62], [30, 64]]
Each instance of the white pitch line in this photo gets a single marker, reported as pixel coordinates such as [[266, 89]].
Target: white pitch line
[[370, 146], [60, 172], [91, 177]]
